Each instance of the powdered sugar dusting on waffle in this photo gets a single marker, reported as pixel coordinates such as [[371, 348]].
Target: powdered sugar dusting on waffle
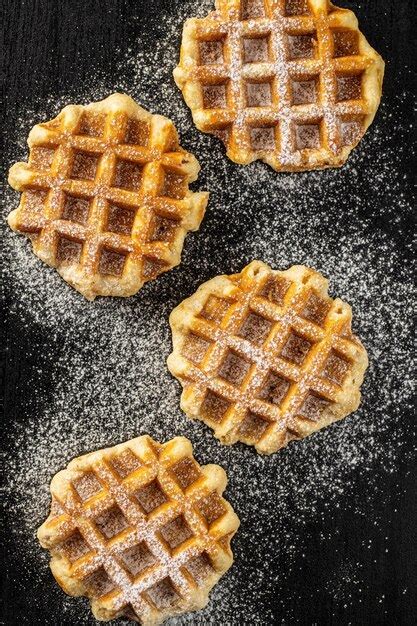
[[256, 81], [257, 328], [128, 174], [179, 530], [101, 378]]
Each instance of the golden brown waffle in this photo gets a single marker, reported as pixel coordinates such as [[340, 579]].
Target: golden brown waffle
[[105, 196], [266, 356], [291, 82], [141, 529]]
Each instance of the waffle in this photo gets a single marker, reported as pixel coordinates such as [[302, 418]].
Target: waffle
[[105, 196], [290, 82], [265, 356], [141, 529]]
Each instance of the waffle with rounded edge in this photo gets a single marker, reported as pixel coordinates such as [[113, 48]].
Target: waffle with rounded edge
[[266, 356], [141, 529], [291, 82], [105, 196]]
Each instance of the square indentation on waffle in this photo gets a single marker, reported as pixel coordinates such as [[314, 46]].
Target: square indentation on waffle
[[137, 559], [33, 204], [200, 567], [256, 49], [111, 262], [296, 7], [111, 522], [351, 130], [259, 94], [307, 136], [345, 43], [163, 594], [176, 532], [91, 124], [211, 508], [211, 52], [41, 158], [234, 368], [296, 348], [137, 132], [304, 90], [301, 46], [87, 485], [252, 9], [75, 546], [214, 407], [253, 427], [349, 87], [99, 583], [275, 289], [151, 496], [316, 309], [255, 328], [128, 175], [215, 96], [125, 463], [215, 309], [68, 251], [274, 389], [263, 137], [186, 472], [162, 228], [313, 407], [84, 165], [336, 368], [76, 208], [174, 184], [194, 348], [120, 219]]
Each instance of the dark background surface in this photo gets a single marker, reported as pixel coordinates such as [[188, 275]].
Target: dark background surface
[[50, 47]]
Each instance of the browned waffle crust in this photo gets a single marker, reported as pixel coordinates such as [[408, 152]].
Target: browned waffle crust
[[105, 196], [266, 356], [141, 529], [291, 82]]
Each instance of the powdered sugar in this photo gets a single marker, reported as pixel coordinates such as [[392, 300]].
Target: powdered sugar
[[110, 175], [104, 362], [256, 334], [264, 50], [109, 508]]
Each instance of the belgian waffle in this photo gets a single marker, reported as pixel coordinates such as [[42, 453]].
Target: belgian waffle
[[266, 356], [141, 529], [291, 82], [105, 196]]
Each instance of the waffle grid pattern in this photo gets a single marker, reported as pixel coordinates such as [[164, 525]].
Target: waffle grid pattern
[[105, 196], [292, 82], [141, 529], [265, 357]]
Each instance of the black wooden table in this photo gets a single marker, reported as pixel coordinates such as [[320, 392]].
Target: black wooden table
[[328, 525]]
